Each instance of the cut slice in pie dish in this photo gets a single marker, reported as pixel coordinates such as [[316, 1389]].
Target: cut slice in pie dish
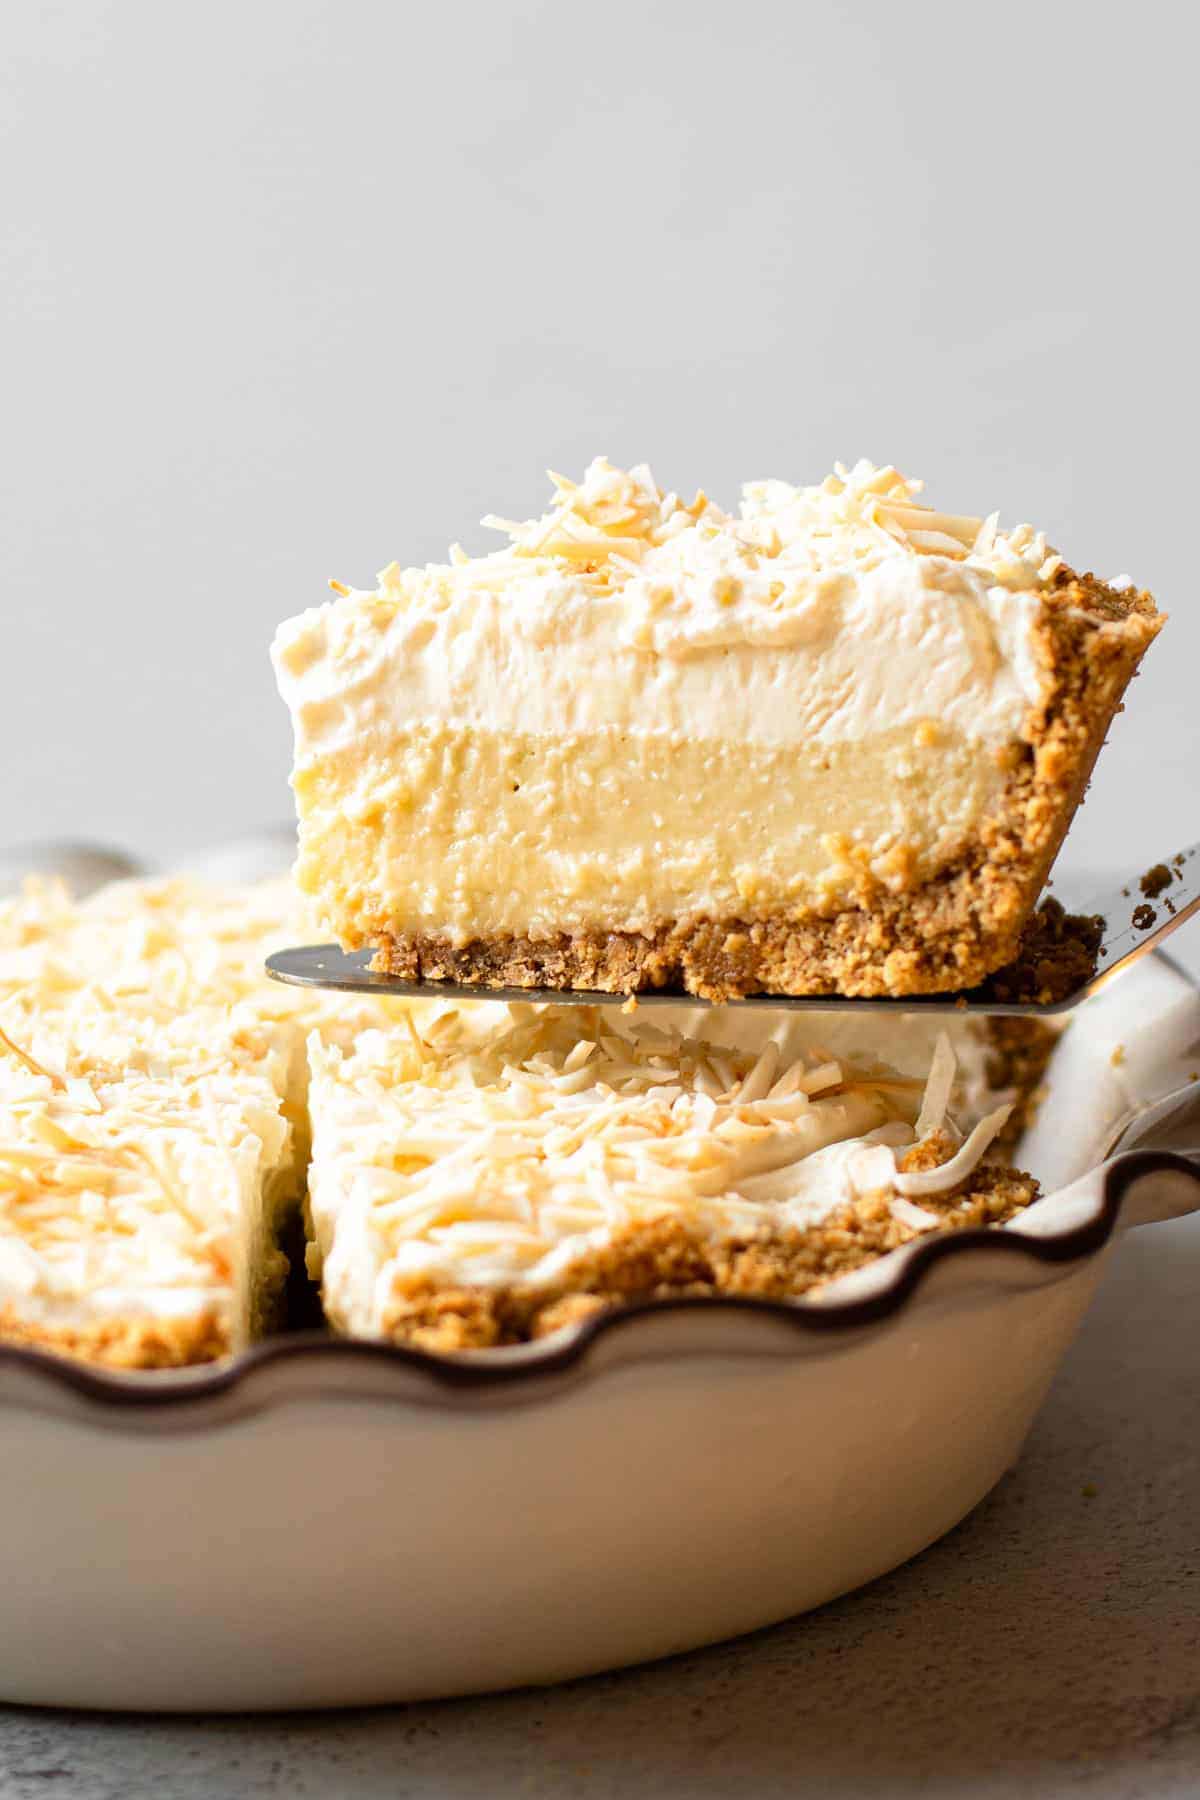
[[474, 1184], [830, 744], [153, 1132], [145, 1172]]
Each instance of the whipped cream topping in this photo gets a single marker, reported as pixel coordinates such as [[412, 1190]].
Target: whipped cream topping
[[501, 1157], [625, 607]]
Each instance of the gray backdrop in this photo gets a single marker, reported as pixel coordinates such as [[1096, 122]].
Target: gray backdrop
[[294, 289]]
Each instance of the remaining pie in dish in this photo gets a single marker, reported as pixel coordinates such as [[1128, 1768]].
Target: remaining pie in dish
[[474, 1184], [829, 744], [155, 1116]]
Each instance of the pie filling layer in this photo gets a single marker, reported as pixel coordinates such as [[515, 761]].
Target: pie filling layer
[[466, 832]]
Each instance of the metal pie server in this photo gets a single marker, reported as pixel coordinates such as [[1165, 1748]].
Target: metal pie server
[[1137, 916]]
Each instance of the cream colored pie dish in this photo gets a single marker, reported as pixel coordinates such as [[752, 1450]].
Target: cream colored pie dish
[[828, 744], [688, 1467]]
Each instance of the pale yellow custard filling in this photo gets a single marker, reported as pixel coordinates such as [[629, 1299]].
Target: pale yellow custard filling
[[460, 832]]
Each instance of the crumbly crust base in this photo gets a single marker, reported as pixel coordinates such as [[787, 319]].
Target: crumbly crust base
[[948, 933], [1056, 956], [668, 1259], [143, 1342], [124, 1343], [1020, 1054]]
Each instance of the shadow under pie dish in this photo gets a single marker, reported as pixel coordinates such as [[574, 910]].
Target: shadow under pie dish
[[830, 744]]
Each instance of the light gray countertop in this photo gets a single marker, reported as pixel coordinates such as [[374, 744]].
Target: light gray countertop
[[1049, 1646]]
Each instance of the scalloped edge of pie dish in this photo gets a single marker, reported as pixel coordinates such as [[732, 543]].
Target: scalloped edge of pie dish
[[290, 1368]]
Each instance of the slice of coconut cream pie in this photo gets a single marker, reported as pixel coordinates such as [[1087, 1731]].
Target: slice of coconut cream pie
[[146, 1158], [153, 1132], [475, 1184], [828, 744]]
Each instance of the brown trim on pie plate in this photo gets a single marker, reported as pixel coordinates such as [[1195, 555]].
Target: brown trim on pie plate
[[171, 1398]]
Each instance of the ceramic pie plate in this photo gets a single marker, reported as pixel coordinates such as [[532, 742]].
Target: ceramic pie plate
[[333, 1524]]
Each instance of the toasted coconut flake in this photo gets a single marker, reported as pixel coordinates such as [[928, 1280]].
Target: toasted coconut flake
[[132, 1169], [916, 1183], [939, 1086], [916, 1217], [615, 532], [552, 1130], [31, 1062]]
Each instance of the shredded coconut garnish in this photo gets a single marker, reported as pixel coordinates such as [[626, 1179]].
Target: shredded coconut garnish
[[964, 1162], [916, 1217], [617, 531], [29, 1062], [938, 1088], [494, 1156]]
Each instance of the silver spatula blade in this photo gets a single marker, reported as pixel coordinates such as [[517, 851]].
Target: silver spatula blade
[[1135, 921]]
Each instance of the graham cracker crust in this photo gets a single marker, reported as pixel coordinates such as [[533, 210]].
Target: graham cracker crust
[[948, 933], [1057, 954], [668, 1259], [149, 1343], [124, 1343], [1020, 1053]]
